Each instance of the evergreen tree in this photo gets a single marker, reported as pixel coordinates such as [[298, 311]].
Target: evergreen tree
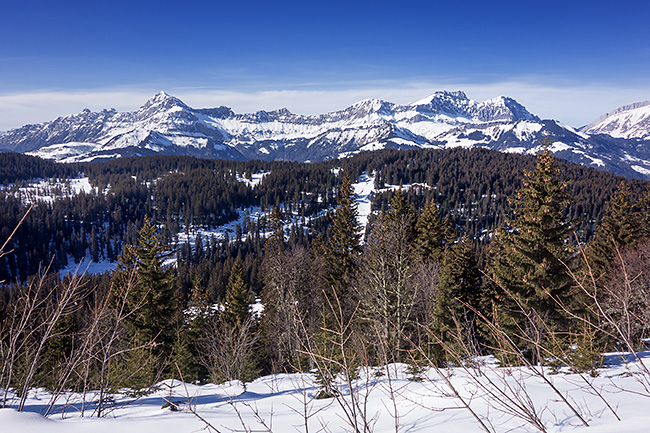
[[231, 342], [239, 297], [400, 207], [432, 234], [621, 226], [457, 294], [154, 313], [644, 212], [158, 318], [402, 212], [276, 240], [196, 319], [337, 302], [529, 258], [344, 246]]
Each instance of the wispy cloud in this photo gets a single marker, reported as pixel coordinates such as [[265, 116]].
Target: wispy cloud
[[20, 109], [569, 102]]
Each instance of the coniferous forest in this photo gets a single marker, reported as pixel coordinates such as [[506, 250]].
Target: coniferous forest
[[466, 252]]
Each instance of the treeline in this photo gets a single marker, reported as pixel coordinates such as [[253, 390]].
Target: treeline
[[471, 187], [17, 167]]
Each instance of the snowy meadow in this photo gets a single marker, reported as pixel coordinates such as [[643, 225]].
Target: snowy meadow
[[471, 398]]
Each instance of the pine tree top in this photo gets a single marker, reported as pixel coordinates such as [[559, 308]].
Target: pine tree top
[[239, 297], [432, 233], [346, 231]]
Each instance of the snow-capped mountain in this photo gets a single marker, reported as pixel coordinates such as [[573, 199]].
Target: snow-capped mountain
[[165, 125], [629, 121]]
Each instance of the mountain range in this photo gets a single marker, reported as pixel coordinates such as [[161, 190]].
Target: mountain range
[[618, 141]]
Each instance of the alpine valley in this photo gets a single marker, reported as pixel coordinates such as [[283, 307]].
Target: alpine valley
[[618, 141]]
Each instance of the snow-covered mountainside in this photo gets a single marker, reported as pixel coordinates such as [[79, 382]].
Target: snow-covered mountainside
[[629, 121], [165, 125]]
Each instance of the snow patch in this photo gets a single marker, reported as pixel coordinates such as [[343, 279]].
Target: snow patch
[[49, 190], [558, 146], [641, 170], [255, 179], [64, 152], [363, 190], [526, 130], [87, 267]]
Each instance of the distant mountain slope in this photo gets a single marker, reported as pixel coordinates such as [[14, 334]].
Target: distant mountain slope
[[629, 121], [165, 125]]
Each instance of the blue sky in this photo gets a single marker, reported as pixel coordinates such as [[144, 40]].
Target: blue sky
[[568, 60]]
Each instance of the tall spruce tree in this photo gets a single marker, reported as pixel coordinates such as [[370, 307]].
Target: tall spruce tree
[[231, 342], [155, 281], [644, 212], [275, 242], [338, 303], [196, 319], [457, 294], [239, 298], [432, 234], [400, 207], [154, 311], [344, 245], [401, 212], [529, 258]]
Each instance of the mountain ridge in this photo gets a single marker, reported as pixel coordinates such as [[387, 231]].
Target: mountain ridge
[[164, 124], [628, 121]]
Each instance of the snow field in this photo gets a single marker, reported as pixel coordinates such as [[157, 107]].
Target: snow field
[[278, 403]]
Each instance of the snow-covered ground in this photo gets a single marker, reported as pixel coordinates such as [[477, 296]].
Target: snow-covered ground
[[87, 266], [254, 213], [50, 189], [282, 403], [364, 190], [255, 179]]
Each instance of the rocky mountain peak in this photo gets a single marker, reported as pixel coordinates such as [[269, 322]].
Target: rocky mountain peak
[[372, 106], [618, 110], [442, 95], [162, 101], [502, 109]]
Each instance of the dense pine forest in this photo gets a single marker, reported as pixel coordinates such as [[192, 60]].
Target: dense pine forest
[[228, 270]]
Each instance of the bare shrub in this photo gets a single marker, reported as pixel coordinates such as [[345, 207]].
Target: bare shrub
[[616, 324], [626, 297], [228, 351]]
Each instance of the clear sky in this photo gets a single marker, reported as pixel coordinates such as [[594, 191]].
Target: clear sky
[[567, 60]]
